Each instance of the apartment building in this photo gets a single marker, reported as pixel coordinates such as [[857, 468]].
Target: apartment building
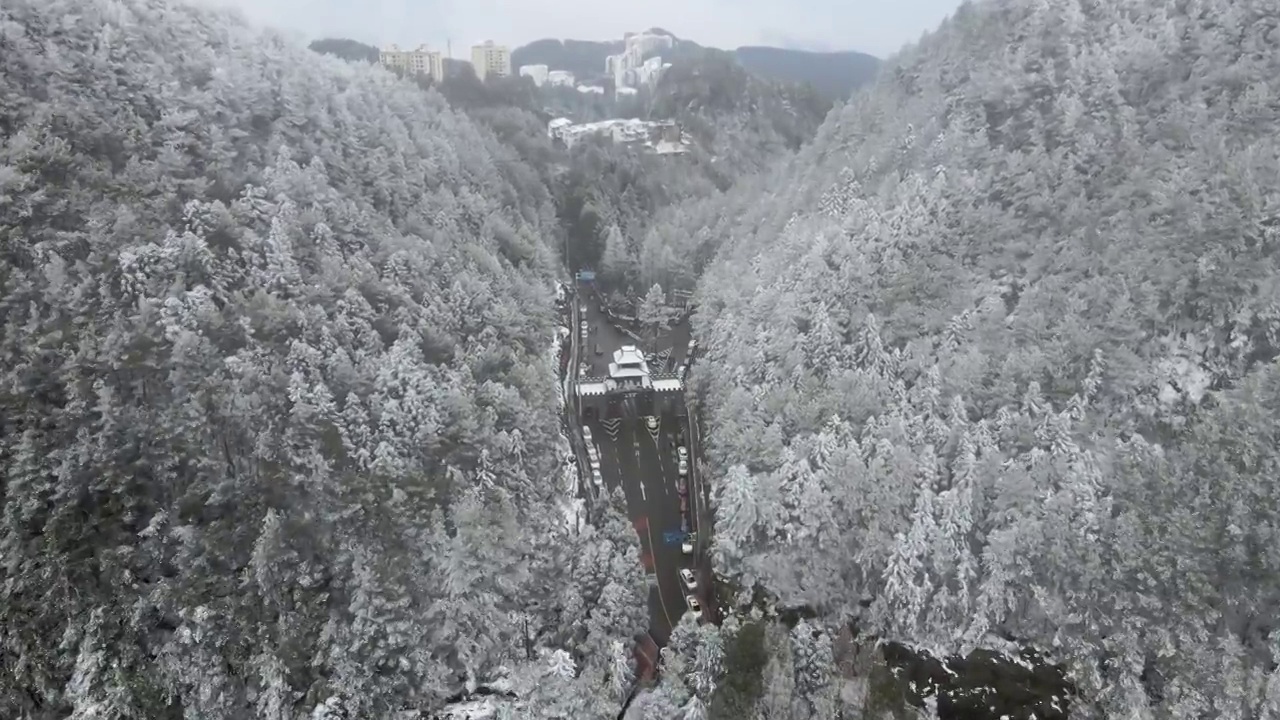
[[629, 68], [421, 61], [489, 59]]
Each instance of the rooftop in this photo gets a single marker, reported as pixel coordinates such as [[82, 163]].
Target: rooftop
[[626, 371], [628, 355]]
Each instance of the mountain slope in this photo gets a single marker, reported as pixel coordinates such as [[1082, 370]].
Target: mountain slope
[[745, 122], [994, 362], [278, 424], [835, 75], [583, 58]]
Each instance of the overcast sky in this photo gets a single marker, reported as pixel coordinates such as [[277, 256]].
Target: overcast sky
[[878, 27]]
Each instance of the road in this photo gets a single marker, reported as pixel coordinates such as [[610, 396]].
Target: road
[[604, 336], [608, 338], [644, 465]]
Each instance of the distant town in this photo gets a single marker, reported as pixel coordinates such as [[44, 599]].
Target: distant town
[[630, 71]]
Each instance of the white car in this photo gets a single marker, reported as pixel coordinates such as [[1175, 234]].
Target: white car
[[689, 580], [686, 547], [684, 466], [595, 464], [682, 453], [652, 422], [693, 603], [586, 433]]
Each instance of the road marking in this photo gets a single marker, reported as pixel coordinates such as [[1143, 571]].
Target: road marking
[[643, 496], [657, 447], [657, 579]]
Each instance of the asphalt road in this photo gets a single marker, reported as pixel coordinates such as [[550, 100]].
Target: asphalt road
[[608, 338], [644, 464], [602, 335]]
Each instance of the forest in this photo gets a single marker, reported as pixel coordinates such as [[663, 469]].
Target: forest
[[273, 369], [992, 364], [989, 377]]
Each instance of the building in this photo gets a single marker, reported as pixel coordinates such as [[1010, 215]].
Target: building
[[562, 78], [489, 59], [648, 42], [649, 71], [556, 128], [629, 68], [663, 137], [628, 369], [421, 61], [626, 91], [537, 73]]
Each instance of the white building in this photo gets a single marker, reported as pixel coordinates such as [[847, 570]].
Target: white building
[[538, 73], [626, 66], [556, 128], [663, 137], [562, 78], [421, 61], [621, 66], [648, 42], [649, 71], [629, 369], [490, 59]]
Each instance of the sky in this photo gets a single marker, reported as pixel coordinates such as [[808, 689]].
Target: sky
[[878, 27]]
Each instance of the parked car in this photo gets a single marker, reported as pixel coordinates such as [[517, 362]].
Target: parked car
[[682, 487], [682, 453], [686, 547], [599, 350], [586, 433], [693, 603], [683, 467], [689, 580]]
